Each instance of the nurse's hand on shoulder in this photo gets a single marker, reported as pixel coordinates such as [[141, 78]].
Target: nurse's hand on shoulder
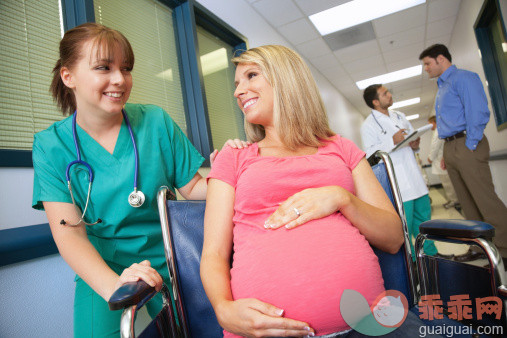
[[236, 144], [250, 317], [308, 204], [139, 271]]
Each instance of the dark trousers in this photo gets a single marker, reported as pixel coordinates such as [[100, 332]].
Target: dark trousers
[[471, 177]]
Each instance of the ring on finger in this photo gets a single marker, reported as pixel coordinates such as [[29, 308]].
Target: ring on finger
[[298, 213]]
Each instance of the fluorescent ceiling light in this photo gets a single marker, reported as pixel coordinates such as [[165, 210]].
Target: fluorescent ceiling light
[[391, 77], [413, 117], [356, 12], [405, 103]]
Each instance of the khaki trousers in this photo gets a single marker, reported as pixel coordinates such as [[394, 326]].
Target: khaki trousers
[[471, 177]]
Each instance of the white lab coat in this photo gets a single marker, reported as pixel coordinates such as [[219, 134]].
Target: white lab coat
[[408, 174], [436, 154]]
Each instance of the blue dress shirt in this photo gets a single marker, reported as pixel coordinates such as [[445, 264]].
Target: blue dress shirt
[[461, 105]]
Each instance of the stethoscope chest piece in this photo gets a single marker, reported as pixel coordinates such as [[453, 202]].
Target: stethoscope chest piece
[[136, 198]]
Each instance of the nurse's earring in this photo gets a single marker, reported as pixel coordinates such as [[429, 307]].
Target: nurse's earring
[[136, 198]]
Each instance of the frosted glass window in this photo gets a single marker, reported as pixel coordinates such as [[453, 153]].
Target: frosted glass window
[[226, 119]]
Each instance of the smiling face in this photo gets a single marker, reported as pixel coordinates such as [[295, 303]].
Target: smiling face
[[254, 94], [101, 80]]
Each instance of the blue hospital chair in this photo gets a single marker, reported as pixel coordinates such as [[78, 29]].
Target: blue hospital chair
[[182, 228]]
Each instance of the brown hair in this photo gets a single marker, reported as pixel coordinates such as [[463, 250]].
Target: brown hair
[[370, 94], [432, 119], [298, 106], [104, 38], [434, 51]]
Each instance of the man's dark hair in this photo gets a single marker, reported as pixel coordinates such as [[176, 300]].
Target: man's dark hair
[[370, 94], [436, 50]]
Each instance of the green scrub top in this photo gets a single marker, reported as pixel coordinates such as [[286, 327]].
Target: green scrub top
[[126, 235]]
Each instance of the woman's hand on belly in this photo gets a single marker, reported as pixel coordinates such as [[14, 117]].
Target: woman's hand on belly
[[308, 204], [250, 317]]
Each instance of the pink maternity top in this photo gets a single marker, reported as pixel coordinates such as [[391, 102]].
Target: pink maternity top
[[303, 270]]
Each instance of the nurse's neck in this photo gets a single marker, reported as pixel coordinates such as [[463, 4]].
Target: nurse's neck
[[98, 123], [102, 128]]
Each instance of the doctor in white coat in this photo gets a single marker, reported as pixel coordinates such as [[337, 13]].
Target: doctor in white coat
[[382, 130]]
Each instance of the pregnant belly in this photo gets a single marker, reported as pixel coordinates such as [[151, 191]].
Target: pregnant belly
[[305, 270]]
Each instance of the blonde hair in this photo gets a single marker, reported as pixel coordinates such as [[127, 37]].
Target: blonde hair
[[298, 106], [106, 39]]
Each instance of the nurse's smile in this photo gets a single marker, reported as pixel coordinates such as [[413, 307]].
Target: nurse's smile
[[114, 96]]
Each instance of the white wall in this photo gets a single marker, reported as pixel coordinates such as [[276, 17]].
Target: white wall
[[16, 199], [37, 298], [243, 18]]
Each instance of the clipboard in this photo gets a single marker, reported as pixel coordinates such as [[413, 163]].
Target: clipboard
[[413, 136]]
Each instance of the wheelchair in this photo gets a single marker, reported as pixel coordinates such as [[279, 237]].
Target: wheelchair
[[191, 314]]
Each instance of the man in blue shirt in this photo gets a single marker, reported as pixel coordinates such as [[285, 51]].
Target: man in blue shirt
[[462, 114]]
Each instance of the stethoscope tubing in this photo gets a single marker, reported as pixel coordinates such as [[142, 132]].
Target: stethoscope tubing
[[136, 154], [382, 128], [137, 194], [78, 152]]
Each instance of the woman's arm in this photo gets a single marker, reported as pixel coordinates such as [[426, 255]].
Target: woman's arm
[[196, 188], [370, 210], [245, 317], [77, 250]]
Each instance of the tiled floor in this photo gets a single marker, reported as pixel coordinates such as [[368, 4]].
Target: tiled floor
[[439, 212]]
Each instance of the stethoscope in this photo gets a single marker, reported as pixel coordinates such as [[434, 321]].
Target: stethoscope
[[382, 128], [136, 197]]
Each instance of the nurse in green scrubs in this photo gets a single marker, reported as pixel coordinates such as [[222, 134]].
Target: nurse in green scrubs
[[92, 79]]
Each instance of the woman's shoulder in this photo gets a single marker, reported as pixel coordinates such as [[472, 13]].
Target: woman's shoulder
[[149, 116], [229, 162], [239, 155], [54, 132], [341, 146], [234, 157], [336, 142], [136, 109]]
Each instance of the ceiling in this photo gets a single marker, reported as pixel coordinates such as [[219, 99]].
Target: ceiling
[[395, 43]]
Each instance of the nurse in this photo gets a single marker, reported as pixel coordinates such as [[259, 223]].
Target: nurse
[[127, 148]]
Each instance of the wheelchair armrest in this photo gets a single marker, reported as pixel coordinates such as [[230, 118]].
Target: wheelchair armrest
[[457, 228], [130, 294]]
